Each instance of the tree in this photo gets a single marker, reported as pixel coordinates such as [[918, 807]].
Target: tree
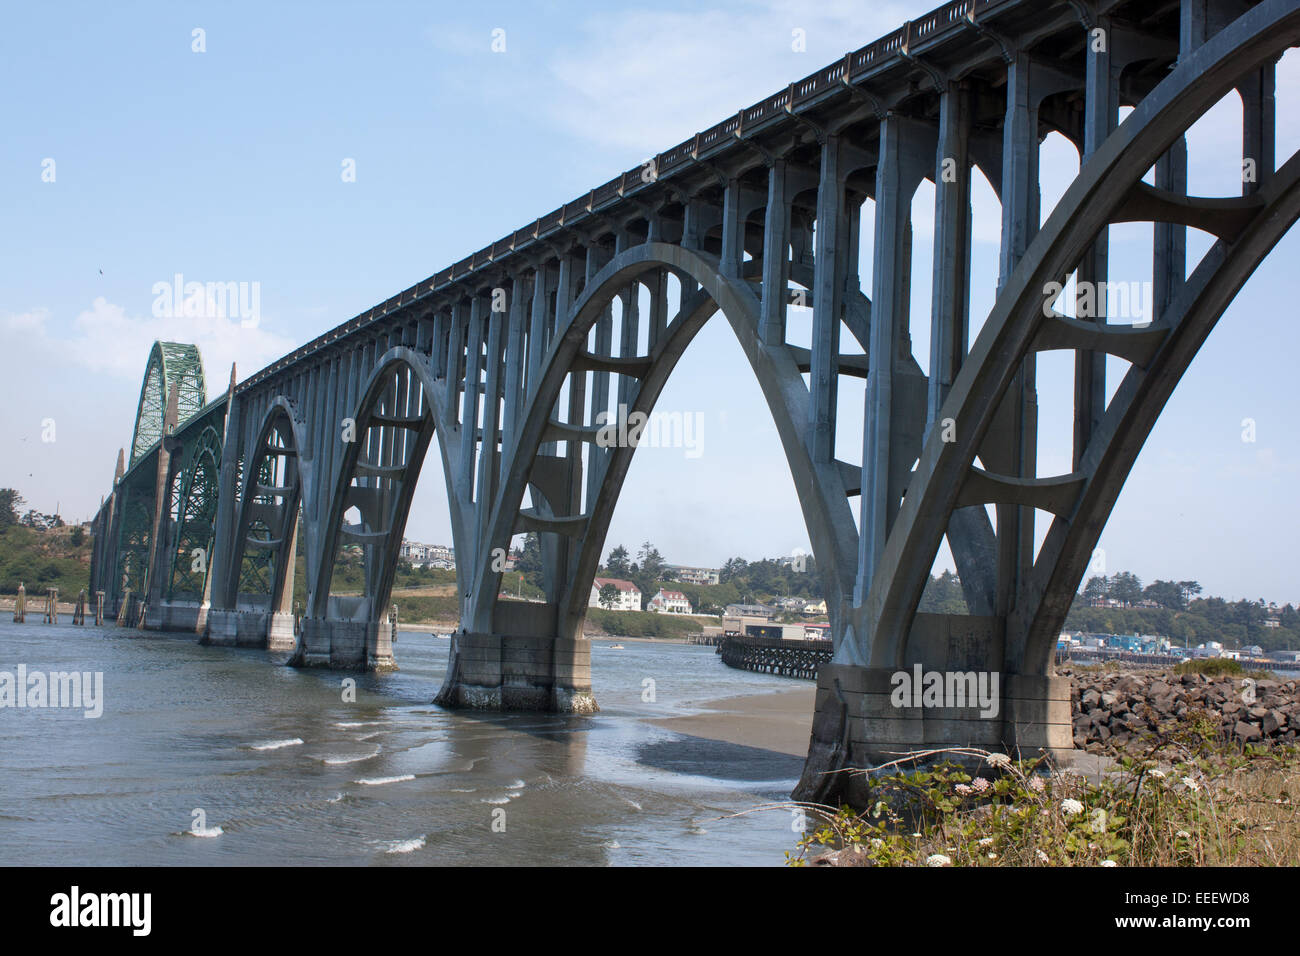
[[608, 596], [617, 564], [10, 502], [648, 572], [1126, 588], [1096, 590], [733, 569], [1190, 589], [530, 561], [1165, 593], [652, 565]]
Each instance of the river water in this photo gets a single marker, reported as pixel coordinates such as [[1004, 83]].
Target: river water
[[284, 771]]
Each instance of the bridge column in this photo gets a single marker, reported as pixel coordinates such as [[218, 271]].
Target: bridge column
[[223, 627]]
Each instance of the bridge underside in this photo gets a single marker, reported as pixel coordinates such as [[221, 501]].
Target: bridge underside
[[515, 362]]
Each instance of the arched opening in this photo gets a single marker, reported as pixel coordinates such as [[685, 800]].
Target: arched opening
[[366, 519]]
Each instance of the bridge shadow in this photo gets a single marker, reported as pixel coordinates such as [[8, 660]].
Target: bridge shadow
[[719, 759]]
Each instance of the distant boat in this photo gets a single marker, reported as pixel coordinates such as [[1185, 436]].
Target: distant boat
[[616, 647]]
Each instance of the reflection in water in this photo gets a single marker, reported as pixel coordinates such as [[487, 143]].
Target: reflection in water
[[268, 764]]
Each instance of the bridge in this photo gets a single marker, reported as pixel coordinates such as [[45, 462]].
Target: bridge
[[507, 362]]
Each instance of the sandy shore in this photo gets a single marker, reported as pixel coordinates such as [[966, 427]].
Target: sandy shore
[[779, 722]]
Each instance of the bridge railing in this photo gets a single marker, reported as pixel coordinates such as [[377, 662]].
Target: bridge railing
[[850, 68]]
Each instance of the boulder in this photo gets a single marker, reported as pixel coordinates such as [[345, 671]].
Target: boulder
[[1247, 732]]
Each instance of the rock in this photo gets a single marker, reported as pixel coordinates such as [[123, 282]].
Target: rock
[[1159, 689], [1272, 723], [1245, 731], [1091, 698]]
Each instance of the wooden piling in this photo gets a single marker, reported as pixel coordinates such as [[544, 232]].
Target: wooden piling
[[79, 612], [20, 605], [51, 605], [99, 608]]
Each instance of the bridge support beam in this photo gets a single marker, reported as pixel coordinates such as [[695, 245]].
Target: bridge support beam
[[508, 672], [342, 645], [868, 716]]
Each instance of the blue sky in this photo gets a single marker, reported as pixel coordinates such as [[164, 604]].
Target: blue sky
[[225, 165]]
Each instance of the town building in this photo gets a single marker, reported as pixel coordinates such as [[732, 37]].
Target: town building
[[766, 612], [704, 576], [814, 607], [627, 599], [428, 555], [669, 602]]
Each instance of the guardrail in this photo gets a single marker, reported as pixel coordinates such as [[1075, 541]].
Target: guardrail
[[889, 49]]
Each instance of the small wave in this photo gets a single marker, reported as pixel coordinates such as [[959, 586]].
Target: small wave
[[632, 803], [205, 832], [336, 761], [276, 744], [349, 724], [462, 790], [612, 845], [335, 799], [517, 785], [496, 800], [406, 846], [379, 781]]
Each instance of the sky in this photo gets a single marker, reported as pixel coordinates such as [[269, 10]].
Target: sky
[[216, 141]]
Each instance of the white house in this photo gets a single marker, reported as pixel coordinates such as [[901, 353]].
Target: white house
[[628, 599], [669, 602]]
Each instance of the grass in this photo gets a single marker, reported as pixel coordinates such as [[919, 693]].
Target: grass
[[1190, 799]]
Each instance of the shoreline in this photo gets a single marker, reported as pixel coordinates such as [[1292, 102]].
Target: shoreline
[[778, 721]]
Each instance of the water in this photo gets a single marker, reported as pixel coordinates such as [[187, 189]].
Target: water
[[285, 772]]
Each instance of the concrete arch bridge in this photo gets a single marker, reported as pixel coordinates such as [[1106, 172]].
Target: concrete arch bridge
[[498, 367]]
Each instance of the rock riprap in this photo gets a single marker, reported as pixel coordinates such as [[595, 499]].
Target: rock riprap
[[1123, 709]]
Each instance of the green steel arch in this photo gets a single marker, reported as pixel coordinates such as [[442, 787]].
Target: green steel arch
[[196, 513], [170, 364]]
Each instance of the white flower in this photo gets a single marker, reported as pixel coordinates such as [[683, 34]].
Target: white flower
[[1158, 774], [1036, 784], [998, 760], [993, 856], [986, 841], [1107, 863], [1070, 807], [1190, 784], [877, 843], [937, 859], [1043, 856], [1183, 835]]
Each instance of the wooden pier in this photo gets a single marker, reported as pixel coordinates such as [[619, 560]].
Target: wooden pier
[[770, 656]]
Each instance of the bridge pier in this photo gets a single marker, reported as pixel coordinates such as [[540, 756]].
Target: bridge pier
[[508, 672], [345, 645], [868, 716], [858, 724]]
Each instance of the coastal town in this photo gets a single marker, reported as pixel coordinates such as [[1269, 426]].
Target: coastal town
[[767, 616]]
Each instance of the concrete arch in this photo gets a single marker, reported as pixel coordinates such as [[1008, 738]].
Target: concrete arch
[[281, 417], [433, 409], [825, 504], [1106, 190]]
